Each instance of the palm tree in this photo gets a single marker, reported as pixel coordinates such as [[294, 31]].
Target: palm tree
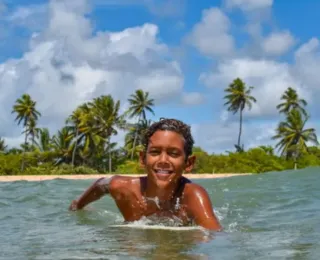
[[25, 110], [139, 104], [107, 119], [14, 150], [88, 136], [44, 140], [3, 146], [33, 131], [136, 131], [238, 97], [267, 149], [75, 119], [292, 101], [293, 135], [62, 144]]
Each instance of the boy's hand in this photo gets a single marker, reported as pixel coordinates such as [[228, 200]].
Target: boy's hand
[[74, 205]]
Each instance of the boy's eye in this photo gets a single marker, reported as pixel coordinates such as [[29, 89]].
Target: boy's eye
[[170, 153]]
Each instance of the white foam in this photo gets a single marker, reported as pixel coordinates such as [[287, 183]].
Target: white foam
[[141, 226]]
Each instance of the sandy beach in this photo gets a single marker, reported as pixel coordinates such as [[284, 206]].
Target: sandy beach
[[85, 177]]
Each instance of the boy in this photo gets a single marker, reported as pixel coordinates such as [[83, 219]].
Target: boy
[[164, 192]]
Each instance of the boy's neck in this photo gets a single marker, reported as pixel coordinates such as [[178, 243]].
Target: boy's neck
[[164, 192]]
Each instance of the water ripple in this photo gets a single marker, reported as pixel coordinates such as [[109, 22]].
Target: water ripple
[[269, 216]]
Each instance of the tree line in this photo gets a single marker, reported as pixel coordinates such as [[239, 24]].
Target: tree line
[[83, 144]]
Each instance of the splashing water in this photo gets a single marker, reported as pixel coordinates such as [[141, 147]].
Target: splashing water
[[155, 200]]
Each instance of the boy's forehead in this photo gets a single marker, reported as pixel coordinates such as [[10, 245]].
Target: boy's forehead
[[162, 135]]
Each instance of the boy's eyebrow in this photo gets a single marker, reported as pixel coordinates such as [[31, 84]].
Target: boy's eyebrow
[[170, 147]]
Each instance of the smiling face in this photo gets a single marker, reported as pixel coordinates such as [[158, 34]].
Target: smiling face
[[165, 159]]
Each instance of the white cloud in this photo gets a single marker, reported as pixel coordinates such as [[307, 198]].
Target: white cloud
[[67, 64], [211, 35], [221, 136], [249, 5], [306, 69], [277, 43], [270, 79], [24, 12], [33, 17], [308, 48], [192, 98]]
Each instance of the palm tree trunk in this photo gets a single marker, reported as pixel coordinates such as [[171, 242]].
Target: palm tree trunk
[[33, 141], [74, 149], [135, 138], [24, 152], [109, 155], [240, 128], [295, 158]]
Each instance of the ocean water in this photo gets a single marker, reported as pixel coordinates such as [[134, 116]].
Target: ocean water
[[267, 216]]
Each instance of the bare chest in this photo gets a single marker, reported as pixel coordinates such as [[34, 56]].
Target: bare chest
[[136, 207]]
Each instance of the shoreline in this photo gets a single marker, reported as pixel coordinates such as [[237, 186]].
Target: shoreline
[[11, 178]]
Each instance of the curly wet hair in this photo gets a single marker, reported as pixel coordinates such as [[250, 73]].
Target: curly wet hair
[[171, 124]]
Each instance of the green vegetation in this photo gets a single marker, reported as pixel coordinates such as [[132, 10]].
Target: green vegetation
[[83, 145]]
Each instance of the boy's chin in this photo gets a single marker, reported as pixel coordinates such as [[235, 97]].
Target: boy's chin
[[166, 177]]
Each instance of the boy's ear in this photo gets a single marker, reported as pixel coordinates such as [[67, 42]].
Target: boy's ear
[[190, 163], [142, 159]]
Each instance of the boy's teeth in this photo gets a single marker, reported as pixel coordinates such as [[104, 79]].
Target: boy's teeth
[[162, 171]]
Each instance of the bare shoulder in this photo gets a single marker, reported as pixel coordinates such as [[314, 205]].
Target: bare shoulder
[[119, 182], [193, 189], [199, 207]]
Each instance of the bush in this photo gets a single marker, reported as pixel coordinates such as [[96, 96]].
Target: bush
[[255, 160], [63, 169], [10, 164], [129, 167]]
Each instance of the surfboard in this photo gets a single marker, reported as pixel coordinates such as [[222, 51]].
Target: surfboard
[[157, 227]]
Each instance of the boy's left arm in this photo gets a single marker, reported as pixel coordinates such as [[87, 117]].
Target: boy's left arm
[[199, 207]]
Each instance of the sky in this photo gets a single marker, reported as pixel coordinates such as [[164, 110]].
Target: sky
[[184, 53]]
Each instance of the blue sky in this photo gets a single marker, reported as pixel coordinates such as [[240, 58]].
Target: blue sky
[[183, 52]]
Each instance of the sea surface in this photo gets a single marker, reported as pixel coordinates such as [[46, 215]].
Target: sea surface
[[268, 216]]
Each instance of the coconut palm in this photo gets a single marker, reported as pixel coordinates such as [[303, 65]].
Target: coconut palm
[[293, 135], [26, 112], [238, 97], [62, 144], [43, 142], [89, 137], [292, 101], [74, 120], [140, 103], [14, 150], [107, 120], [267, 149], [3, 146], [136, 131], [32, 131]]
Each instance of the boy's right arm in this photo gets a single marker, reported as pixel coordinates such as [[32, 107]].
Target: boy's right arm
[[98, 189]]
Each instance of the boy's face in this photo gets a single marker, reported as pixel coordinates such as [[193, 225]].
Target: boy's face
[[165, 158]]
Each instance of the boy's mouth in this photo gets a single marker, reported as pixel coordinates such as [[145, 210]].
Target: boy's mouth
[[163, 172], [163, 175]]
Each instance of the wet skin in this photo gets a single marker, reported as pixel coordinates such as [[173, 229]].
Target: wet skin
[[162, 190]]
